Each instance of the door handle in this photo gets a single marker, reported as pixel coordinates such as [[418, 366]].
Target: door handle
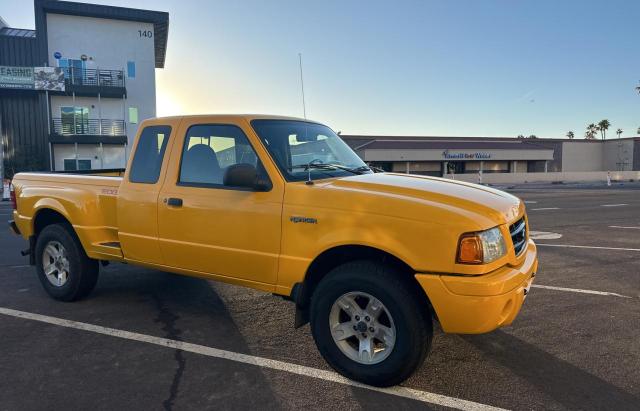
[[173, 202]]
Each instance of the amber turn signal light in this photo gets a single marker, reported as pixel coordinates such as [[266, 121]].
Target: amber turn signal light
[[470, 249]]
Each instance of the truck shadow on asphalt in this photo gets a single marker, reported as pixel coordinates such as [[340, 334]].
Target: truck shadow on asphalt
[[189, 309], [567, 384], [186, 309]]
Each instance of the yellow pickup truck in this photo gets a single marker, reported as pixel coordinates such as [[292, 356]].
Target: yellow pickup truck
[[283, 205]]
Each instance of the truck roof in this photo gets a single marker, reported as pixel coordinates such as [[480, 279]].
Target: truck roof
[[247, 117]]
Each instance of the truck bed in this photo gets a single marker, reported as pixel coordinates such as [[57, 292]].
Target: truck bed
[[87, 200]]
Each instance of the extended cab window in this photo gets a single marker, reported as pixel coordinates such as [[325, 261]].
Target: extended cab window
[[209, 150], [147, 160]]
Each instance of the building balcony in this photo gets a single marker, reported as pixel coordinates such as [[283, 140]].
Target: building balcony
[[91, 82], [78, 130], [93, 77]]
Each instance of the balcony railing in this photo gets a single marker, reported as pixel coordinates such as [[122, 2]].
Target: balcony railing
[[93, 77], [93, 127]]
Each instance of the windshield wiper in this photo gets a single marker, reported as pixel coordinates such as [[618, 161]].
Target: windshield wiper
[[329, 166], [318, 164], [365, 168]]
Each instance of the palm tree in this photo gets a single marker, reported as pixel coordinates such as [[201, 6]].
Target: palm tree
[[603, 126], [638, 90], [619, 132], [570, 135], [590, 134]]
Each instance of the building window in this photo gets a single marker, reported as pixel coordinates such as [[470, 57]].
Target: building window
[[73, 120], [455, 167], [74, 70], [70, 164], [131, 69], [133, 115], [535, 166], [495, 167]]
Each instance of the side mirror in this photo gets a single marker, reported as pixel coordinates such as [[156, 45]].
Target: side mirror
[[246, 176]]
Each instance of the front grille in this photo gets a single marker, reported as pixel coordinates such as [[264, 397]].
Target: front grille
[[518, 231]]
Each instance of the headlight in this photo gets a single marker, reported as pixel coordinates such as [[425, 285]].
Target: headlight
[[481, 248]]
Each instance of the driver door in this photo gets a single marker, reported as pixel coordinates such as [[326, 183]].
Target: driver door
[[210, 228]]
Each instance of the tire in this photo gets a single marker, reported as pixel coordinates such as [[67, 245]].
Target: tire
[[74, 275], [404, 310]]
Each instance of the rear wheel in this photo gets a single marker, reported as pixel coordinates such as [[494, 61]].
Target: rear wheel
[[370, 323], [64, 269]]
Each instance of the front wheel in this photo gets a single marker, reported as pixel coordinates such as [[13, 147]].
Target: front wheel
[[370, 323], [64, 269]]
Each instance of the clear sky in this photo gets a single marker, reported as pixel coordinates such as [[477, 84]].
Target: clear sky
[[451, 68]]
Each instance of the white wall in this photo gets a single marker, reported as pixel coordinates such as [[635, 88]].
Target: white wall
[[582, 156], [111, 156], [618, 155], [114, 156], [110, 44]]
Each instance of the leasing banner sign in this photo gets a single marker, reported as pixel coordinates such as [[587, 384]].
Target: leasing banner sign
[[16, 77], [48, 78], [32, 78]]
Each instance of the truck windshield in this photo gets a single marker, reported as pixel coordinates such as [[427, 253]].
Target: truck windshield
[[302, 149]]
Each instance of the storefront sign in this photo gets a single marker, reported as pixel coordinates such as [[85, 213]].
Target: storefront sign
[[446, 154], [32, 78], [16, 77]]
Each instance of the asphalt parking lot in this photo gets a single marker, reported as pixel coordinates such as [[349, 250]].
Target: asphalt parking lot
[[575, 345]]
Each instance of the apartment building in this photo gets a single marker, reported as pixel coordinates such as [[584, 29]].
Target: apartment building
[[73, 91]]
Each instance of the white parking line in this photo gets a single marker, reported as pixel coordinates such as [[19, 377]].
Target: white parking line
[[410, 393], [545, 208], [578, 290], [621, 226], [588, 246], [544, 235], [614, 205]]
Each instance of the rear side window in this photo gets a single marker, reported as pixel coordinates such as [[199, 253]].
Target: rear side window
[[147, 160], [209, 150]]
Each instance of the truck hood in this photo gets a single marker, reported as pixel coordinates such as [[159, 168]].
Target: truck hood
[[480, 201]]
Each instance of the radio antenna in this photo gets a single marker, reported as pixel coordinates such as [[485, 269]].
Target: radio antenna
[[304, 107]]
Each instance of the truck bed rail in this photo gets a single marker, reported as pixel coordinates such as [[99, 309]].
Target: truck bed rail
[[109, 171]]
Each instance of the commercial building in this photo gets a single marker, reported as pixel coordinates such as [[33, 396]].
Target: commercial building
[[438, 156], [73, 91]]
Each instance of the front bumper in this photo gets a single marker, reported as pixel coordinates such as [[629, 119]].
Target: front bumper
[[479, 304]]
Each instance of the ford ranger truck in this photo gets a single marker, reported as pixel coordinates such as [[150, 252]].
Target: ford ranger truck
[[283, 205]]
